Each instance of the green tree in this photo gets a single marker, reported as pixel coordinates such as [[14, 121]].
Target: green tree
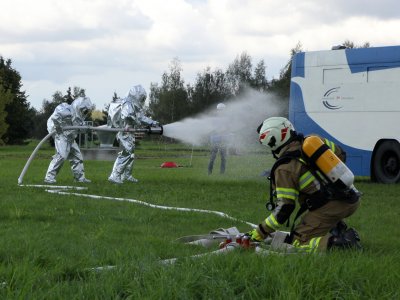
[[5, 98], [48, 107], [239, 73], [19, 113], [259, 80], [351, 45], [169, 102], [210, 88], [281, 86], [73, 93]]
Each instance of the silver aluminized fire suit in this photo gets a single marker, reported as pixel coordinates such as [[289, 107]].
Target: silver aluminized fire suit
[[66, 148], [127, 113]]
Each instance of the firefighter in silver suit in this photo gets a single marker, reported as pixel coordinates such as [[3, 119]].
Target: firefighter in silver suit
[[65, 114], [127, 113]]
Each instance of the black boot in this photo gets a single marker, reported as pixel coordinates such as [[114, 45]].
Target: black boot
[[339, 229], [346, 240]]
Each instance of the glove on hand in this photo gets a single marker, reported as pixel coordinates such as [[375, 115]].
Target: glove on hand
[[58, 130], [254, 235]]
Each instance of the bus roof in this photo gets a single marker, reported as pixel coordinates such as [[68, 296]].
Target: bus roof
[[354, 56]]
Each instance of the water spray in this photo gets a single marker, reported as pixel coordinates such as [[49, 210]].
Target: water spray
[[240, 118]]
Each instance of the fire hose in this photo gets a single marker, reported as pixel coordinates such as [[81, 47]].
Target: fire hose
[[149, 130]]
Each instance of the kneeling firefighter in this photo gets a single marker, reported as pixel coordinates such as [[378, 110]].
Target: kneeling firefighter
[[311, 171]]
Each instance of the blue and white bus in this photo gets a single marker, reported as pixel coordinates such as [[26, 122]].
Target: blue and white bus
[[352, 97]]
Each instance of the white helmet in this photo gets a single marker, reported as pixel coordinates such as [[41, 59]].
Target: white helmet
[[221, 106], [274, 132]]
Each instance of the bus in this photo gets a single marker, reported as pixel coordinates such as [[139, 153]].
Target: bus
[[352, 97]]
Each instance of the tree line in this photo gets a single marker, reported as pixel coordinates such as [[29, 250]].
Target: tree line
[[169, 101], [172, 100]]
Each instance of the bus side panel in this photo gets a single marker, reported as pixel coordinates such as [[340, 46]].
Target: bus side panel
[[350, 94], [298, 65], [357, 160]]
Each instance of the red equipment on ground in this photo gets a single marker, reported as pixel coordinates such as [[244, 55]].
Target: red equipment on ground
[[169, 164]]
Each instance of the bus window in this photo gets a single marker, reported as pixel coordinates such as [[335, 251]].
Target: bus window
[[342, 75]]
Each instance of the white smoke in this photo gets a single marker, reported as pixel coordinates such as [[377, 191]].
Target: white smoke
[[240, 118]]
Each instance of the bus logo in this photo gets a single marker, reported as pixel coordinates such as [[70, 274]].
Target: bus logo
[[330, 97]]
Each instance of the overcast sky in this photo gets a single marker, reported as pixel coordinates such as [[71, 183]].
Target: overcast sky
[[106, 46]]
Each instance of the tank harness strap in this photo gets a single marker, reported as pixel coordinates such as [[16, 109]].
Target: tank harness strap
[[319, 152], [318, 199], [285, 159], [271, 203], [262, 230], [289, 238], [314, 202]]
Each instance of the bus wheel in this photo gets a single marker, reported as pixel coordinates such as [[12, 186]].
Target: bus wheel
[[387, 162]]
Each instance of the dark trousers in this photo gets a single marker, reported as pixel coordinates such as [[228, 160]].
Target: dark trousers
[[214, 151], [319, 222]]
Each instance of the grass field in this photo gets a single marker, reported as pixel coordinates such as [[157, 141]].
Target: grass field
[[49, 244]]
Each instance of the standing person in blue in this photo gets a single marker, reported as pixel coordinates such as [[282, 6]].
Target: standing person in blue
[[218, 141], [127, 113]]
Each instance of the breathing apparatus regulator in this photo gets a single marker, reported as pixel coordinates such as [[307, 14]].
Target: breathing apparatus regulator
[[332, 173]]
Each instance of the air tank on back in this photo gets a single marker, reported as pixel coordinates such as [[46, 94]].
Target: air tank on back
[[334, 170]]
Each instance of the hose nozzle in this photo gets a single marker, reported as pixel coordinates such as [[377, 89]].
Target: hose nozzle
[[156, 130]]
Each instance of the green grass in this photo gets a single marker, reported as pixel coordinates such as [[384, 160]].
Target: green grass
[[49, 243]]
